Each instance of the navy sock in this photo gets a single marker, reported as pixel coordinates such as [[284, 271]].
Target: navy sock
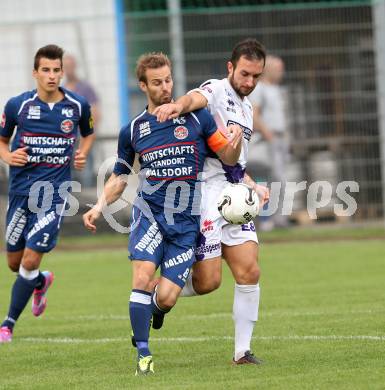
[[40, 281], [155, 308], [140, 316], [21, 292]]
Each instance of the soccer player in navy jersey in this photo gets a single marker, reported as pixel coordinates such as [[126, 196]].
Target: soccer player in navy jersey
[[165, 215], [44, 123]]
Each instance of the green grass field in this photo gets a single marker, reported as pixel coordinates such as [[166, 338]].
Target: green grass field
[[322, 324]]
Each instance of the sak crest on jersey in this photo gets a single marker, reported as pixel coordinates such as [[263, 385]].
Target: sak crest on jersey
[[67, 126], [181, 132]]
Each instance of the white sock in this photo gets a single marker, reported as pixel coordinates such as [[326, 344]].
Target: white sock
[[245, 314], [188, 289], [29, 275]]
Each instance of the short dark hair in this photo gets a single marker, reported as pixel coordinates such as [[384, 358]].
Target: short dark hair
[[250, 48], [152, 60], [52, 52]]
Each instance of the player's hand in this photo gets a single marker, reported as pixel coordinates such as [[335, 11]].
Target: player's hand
[[167, 111], [89, 219], [18, 158], [80, 160], [234, 135], [263, 193]]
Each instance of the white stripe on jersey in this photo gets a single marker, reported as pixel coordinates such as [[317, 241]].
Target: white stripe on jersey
[[196, 118], [26, 101], [76, 102], [134, 120]]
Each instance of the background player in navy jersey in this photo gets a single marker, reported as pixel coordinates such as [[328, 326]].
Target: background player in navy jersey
[[165, 216], [47, 121]]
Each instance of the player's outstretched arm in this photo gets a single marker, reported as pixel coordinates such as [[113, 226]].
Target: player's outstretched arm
[[112, 191], [229, 154], [17, 158], [262, 191], [81, 154], [186, 103]]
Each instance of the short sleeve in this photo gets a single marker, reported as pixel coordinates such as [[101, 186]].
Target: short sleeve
[[126, 153], [8, 119], [209, 89], [206, 122], [86, 124], [215, 139]]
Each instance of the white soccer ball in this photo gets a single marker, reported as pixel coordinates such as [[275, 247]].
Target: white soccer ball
[[238, 203]]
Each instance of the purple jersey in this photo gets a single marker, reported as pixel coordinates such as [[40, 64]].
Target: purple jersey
[[49, 131]]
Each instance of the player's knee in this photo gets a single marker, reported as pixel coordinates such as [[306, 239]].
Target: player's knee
[[30, 263], [14, 260], [248, 275], [167, 301], [255, 274], [13, 266], [207, 285], [142, 281]]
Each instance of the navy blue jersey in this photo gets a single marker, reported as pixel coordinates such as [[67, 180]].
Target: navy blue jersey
[[169, 153], [49, 131]]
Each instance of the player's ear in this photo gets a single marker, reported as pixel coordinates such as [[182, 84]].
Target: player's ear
[[143, 86], [230, 67]]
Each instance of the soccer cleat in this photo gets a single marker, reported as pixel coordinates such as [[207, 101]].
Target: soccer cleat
[[5, 335], [145, 365], [39, 299], [248, 358]]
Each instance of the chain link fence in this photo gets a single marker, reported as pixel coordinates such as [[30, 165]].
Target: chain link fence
[[328, 50], [331, 77]]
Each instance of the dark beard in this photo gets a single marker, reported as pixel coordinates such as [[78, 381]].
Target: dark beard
[[160, 101], [165, 100], [237, 90]]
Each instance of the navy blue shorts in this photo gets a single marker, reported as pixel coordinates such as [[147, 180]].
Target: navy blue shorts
[[170, 247], [28, 229]]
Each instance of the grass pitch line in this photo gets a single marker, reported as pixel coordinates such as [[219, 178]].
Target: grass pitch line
[[69, 340], [117, 317]]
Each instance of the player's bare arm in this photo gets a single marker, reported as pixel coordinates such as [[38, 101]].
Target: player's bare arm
[[80, 158], [112, 191], [17, 158], [229, 154], [262, 191], [186, 103]]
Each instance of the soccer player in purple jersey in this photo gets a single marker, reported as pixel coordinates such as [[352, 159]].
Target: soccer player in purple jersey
[[46, 122], [165, 216]]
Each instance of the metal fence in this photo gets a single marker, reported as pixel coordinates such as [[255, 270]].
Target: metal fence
[[332, 73], [331, 79]]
